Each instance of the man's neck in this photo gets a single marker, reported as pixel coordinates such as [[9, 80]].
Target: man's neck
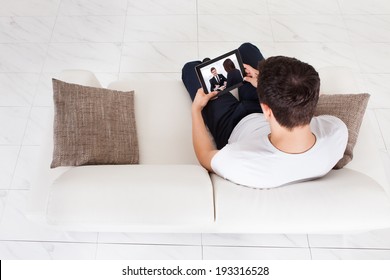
[[295, 141]]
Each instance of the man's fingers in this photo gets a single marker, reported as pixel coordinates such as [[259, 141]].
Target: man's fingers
[[251, 80], [213, 93]]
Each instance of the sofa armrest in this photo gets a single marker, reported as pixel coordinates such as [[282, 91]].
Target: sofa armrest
[[80, 77]]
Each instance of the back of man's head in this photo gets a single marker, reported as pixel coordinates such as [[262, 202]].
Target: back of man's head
[[290, 88]]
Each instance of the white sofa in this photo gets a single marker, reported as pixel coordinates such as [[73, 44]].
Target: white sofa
[[170, 192]]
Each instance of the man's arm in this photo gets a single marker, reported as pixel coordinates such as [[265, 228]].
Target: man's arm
[[202, 142], [212, 84]]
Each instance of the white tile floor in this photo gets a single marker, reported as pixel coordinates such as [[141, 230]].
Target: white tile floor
[[153, 39]]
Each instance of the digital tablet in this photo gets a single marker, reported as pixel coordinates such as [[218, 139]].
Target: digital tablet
[[221, 74]]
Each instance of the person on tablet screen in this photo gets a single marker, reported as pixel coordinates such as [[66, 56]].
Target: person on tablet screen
[[218, 81], [268, 137], [233, 74]]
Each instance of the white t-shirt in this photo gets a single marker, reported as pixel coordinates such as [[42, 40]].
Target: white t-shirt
[[250, 159]]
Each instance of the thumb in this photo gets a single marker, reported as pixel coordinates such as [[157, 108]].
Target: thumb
[[212, 94]]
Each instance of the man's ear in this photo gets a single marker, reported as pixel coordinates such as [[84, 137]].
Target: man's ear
[[266, 111]]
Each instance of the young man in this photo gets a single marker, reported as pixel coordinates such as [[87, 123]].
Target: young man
[[218, 81], [272, 139]]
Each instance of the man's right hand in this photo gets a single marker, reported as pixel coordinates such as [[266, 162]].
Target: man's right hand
[[251, 75]]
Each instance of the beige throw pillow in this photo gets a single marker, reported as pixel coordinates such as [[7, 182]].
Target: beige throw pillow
[[93, 126], [350, 108]]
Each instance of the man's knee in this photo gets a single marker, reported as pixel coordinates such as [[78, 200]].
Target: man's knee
[[190, 66], [246, 45]]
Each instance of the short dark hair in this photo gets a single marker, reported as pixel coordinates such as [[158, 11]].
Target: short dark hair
[[212, 68], [228, 64], [290, 88]]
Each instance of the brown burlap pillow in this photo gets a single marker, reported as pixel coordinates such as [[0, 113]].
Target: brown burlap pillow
[[350, 108], [93, 126]]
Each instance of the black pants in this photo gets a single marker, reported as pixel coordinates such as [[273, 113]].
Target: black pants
[[221, 115]]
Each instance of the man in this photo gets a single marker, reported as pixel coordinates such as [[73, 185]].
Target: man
[[273, 143], [218, 81]]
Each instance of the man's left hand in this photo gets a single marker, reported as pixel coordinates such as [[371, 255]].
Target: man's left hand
[[201, 99]]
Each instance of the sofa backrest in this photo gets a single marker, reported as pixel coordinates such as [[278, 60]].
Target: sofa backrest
[[163, 119]]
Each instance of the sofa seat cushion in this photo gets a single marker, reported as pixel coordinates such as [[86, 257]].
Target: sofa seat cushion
[[131, 195], [342, 201]]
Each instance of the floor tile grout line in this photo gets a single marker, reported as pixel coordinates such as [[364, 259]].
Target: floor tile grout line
[[47, 241], [380, 128], [309, 246], [122, 43], [190, 245], [201, 245], [33, 99]]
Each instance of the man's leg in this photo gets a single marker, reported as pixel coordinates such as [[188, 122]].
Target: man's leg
[[218, 112], [190, 78], [251, 55]]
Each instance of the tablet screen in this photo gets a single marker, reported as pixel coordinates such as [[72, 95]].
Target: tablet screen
[[222, 74]]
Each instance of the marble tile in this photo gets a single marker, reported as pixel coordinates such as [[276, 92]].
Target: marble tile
[[364, 7], [378, 86], [13, 121], [147, 252], [44, 92], [377, 134], [232, 7], [26, 29], [3, 200], [214, 49], [8, 159], [321, 54], [378, 239], [383, 116], [166, 7], [265, 240], [156, 57], [96, 57], [303, 7], [15, 225], [218, 28], [104, 29], [368, 28], [22, 57], [25, 167], [150, 76], [151, 238], [385, 155], [254, 253], [14, 250], [316, 28], [29, 7], [93, 7], [17, 89], [167, 28], [350, 254], [373, 57]]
